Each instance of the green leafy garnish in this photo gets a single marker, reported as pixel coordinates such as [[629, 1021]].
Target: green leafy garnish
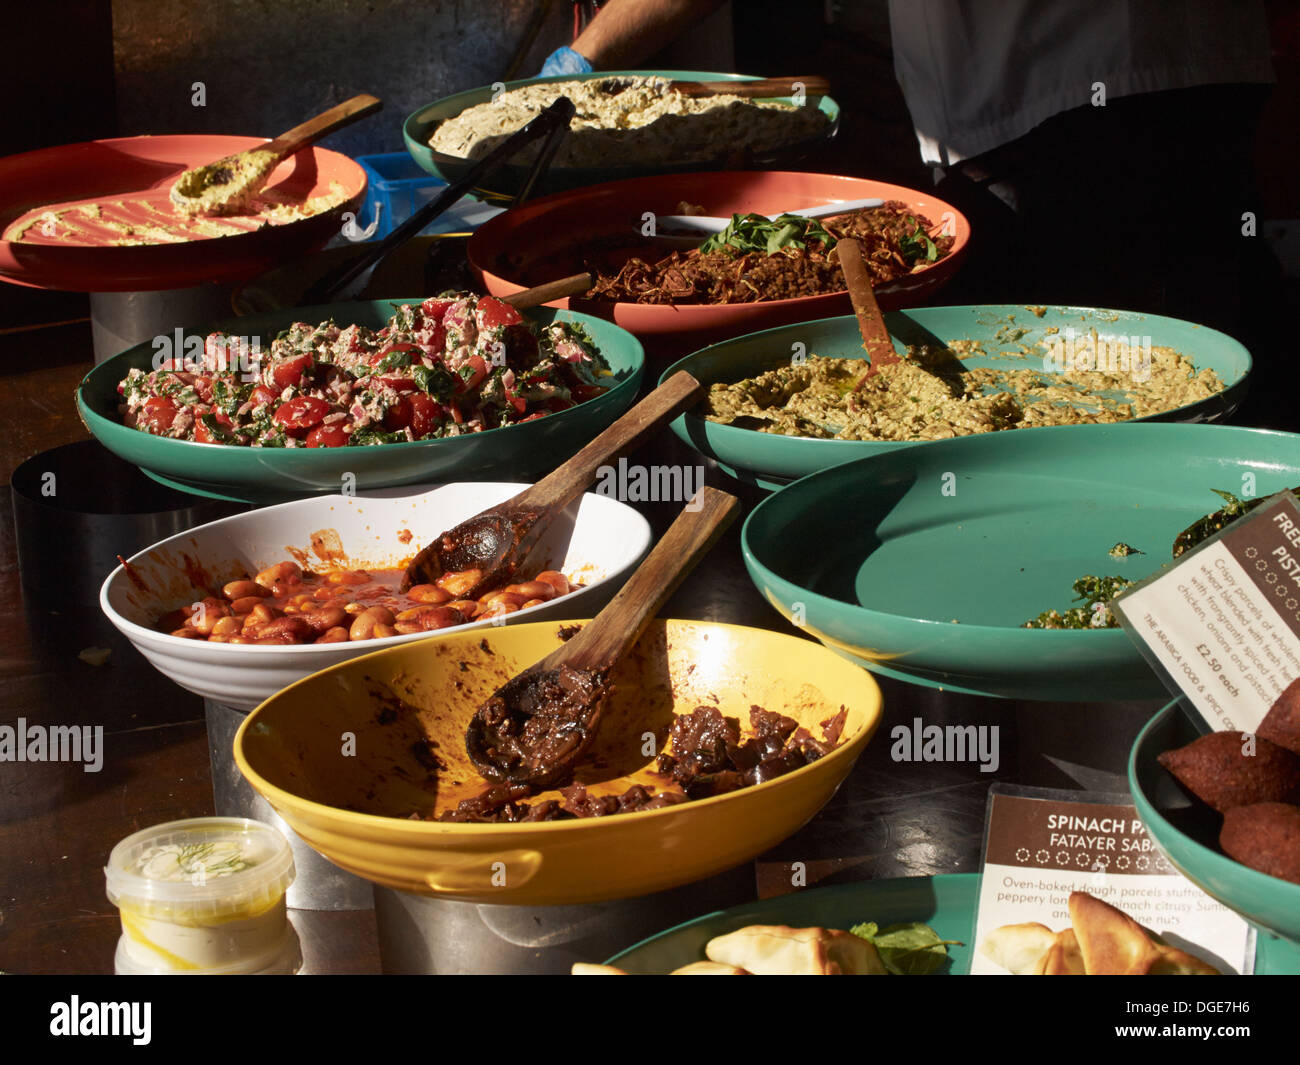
[[917, 244], [434, 380], [192, 857], [755, 233], [228, 397], [1207, 526], [1099, 589], [394, 360], [376, 436], [911, 949], [1096, 593]]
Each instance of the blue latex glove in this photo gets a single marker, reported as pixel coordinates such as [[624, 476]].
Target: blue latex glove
[[565, 61]]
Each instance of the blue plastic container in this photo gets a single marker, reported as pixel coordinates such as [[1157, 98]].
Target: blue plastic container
[[397, 187]]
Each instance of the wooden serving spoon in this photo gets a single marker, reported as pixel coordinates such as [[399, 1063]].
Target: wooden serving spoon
[[536, 726], [498, 541], [227, 185], [871, 324], [574, 285], [813, 85]]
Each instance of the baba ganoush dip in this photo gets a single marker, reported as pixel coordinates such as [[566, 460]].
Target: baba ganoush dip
[[631, 121], [930, 395]]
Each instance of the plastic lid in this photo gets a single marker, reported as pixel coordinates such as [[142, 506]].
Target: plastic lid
[[204, 867]]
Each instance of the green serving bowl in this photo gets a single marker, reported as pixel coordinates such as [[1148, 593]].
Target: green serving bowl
[[922, 563], [1187, 831], [509, 179], [770, 460], [268, 475]]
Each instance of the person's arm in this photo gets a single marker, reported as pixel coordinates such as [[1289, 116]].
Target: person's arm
[[625, 33]]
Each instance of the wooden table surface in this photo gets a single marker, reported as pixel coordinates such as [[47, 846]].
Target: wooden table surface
[[58, 823]]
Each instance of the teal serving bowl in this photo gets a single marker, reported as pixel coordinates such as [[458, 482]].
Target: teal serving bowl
[[770, 460], [922, 563], [1187, 831], [509, 178], [268, 475]]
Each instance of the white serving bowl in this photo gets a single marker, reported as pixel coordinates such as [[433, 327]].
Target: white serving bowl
[[597, 541]]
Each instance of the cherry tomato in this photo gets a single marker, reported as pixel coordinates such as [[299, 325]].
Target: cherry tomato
[[433, 309], [398, 384], [398, 416], [433, 338], [395, 381], [480, 369], [158, 414], [203, 434], [426, 414], [492, 314], [327, 436], [289, 371], [516, 400], [301, 414], [261, 396]]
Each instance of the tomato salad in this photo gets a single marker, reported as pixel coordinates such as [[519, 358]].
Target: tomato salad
[[451, 365]]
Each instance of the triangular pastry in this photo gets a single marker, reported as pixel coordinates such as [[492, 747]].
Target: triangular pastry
[[1063, 957], [776, 950], [1112, 943], [1018, 947], [1102, 941], [709, 968]]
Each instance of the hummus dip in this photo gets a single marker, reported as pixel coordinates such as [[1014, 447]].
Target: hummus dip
[[631, 121], [124, 223]]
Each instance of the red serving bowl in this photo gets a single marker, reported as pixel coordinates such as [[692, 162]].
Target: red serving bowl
[[143, 168], [546, 239]]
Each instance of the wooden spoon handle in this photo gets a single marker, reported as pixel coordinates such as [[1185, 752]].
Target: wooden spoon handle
[[314, 129], [763, 87], [552, 290], [564, 484], [875, 337], [616, 628]]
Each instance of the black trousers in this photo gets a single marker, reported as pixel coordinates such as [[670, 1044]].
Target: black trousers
[[1137, 205]]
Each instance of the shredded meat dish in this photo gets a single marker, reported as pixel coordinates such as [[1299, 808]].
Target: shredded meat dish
[[896, 242], [706, 756]]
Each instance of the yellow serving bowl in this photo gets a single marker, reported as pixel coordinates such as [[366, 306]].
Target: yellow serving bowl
[[347, 754]]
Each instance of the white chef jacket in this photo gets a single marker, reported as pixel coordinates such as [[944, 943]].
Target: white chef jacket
[[979, 73]]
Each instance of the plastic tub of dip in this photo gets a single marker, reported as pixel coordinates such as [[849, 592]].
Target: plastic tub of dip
[[203, 896]]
